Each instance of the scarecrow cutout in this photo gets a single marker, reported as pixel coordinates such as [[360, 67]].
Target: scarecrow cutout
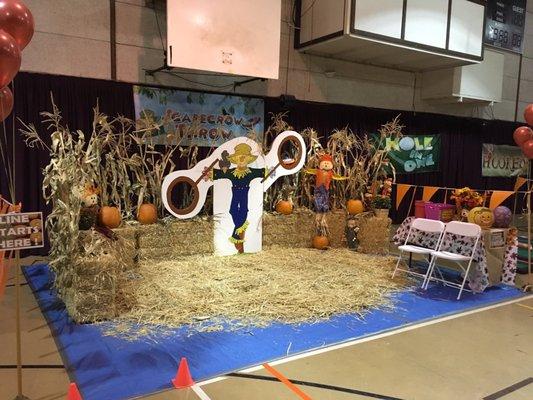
[[239, 174]]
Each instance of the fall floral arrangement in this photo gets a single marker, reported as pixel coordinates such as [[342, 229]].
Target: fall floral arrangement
[[467, 198], [378, 194]]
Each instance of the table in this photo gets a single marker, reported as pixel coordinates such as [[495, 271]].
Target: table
[[478, 279]]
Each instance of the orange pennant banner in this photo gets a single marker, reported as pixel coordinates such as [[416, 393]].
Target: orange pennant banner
[[401, 191], [498, 197], [429, 192], [519, 183]]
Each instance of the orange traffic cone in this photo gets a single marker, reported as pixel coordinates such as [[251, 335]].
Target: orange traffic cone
[[183, 378], [73, 392]]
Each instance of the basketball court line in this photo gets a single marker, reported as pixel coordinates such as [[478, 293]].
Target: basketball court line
[[200, 393], [510, 389], [525, 306], [291, 386], [316, 385], [368, 338]]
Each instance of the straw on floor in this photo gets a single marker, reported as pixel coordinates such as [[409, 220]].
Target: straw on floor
[[277, 285]]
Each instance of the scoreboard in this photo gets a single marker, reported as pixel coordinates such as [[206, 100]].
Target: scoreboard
[[505, 21]]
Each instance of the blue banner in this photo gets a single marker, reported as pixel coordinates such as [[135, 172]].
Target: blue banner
[[201, 119]]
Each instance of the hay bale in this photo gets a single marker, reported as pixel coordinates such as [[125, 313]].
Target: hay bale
[[293, 231], [90, 306], [296, 230], [194, 236], [91, 291], [127, 232], [374, 234], [336, 224]]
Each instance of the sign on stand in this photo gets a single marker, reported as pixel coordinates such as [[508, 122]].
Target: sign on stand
[[21, 231]]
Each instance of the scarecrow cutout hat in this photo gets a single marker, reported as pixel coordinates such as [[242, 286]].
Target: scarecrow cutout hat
[[242, 149]]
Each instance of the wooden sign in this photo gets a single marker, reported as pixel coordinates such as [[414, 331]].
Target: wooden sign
[[21, 231]]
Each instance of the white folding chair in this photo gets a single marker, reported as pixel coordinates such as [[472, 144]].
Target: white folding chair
[[429, 226], [462, 229]]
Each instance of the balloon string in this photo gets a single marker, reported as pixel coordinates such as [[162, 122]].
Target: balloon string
[[14, 158]]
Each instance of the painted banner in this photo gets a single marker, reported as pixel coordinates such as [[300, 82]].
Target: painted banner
[[202, 119], [412, 154], [502, 160], [20, 231]]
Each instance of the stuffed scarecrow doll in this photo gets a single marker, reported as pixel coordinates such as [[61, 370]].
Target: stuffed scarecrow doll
[[323, 177], [241, 176], [350, 231]]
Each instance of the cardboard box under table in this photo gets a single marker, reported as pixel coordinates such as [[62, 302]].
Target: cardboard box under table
[[495, 241]]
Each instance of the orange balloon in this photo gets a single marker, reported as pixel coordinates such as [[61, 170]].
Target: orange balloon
[[9, 58], [522, 135], [527, 149], [528, 114], [17, 20], [6, 103]]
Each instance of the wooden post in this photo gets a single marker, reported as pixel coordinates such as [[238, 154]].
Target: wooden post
[[20, 396]]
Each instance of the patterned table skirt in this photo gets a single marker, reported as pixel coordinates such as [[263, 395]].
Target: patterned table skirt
[[478, 279]]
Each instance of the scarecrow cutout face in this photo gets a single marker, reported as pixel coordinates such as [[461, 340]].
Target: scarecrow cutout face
[[239, 174]]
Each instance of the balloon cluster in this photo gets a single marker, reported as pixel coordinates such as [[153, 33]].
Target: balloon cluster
[[16, 31], [523, 136]]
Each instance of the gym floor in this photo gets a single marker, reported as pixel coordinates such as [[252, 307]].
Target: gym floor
[[482, 354]]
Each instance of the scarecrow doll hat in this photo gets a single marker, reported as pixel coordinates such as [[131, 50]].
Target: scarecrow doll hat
[[242, 149]]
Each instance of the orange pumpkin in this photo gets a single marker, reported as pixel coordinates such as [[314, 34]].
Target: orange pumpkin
[[320, 242], [284, 207], [147, 214], [109, 217], [355, 207]]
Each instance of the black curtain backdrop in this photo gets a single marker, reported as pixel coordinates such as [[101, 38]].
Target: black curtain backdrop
[[460, 162], [76, 98]]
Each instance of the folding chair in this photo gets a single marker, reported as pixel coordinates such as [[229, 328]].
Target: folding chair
[[461, 229], [429, 226]]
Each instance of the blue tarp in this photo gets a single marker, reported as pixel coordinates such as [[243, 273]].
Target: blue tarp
[[110, 368]]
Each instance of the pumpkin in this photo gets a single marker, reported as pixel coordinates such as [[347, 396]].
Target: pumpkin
[[284, 207], [109, 217], [355, 207], [147, 214], [482, 216], [320, 242]]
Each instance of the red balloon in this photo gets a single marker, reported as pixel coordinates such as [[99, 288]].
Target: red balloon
[[522, 135], [528, 114], [17, 20], [9, 58], [6, 103], [527, 149]]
